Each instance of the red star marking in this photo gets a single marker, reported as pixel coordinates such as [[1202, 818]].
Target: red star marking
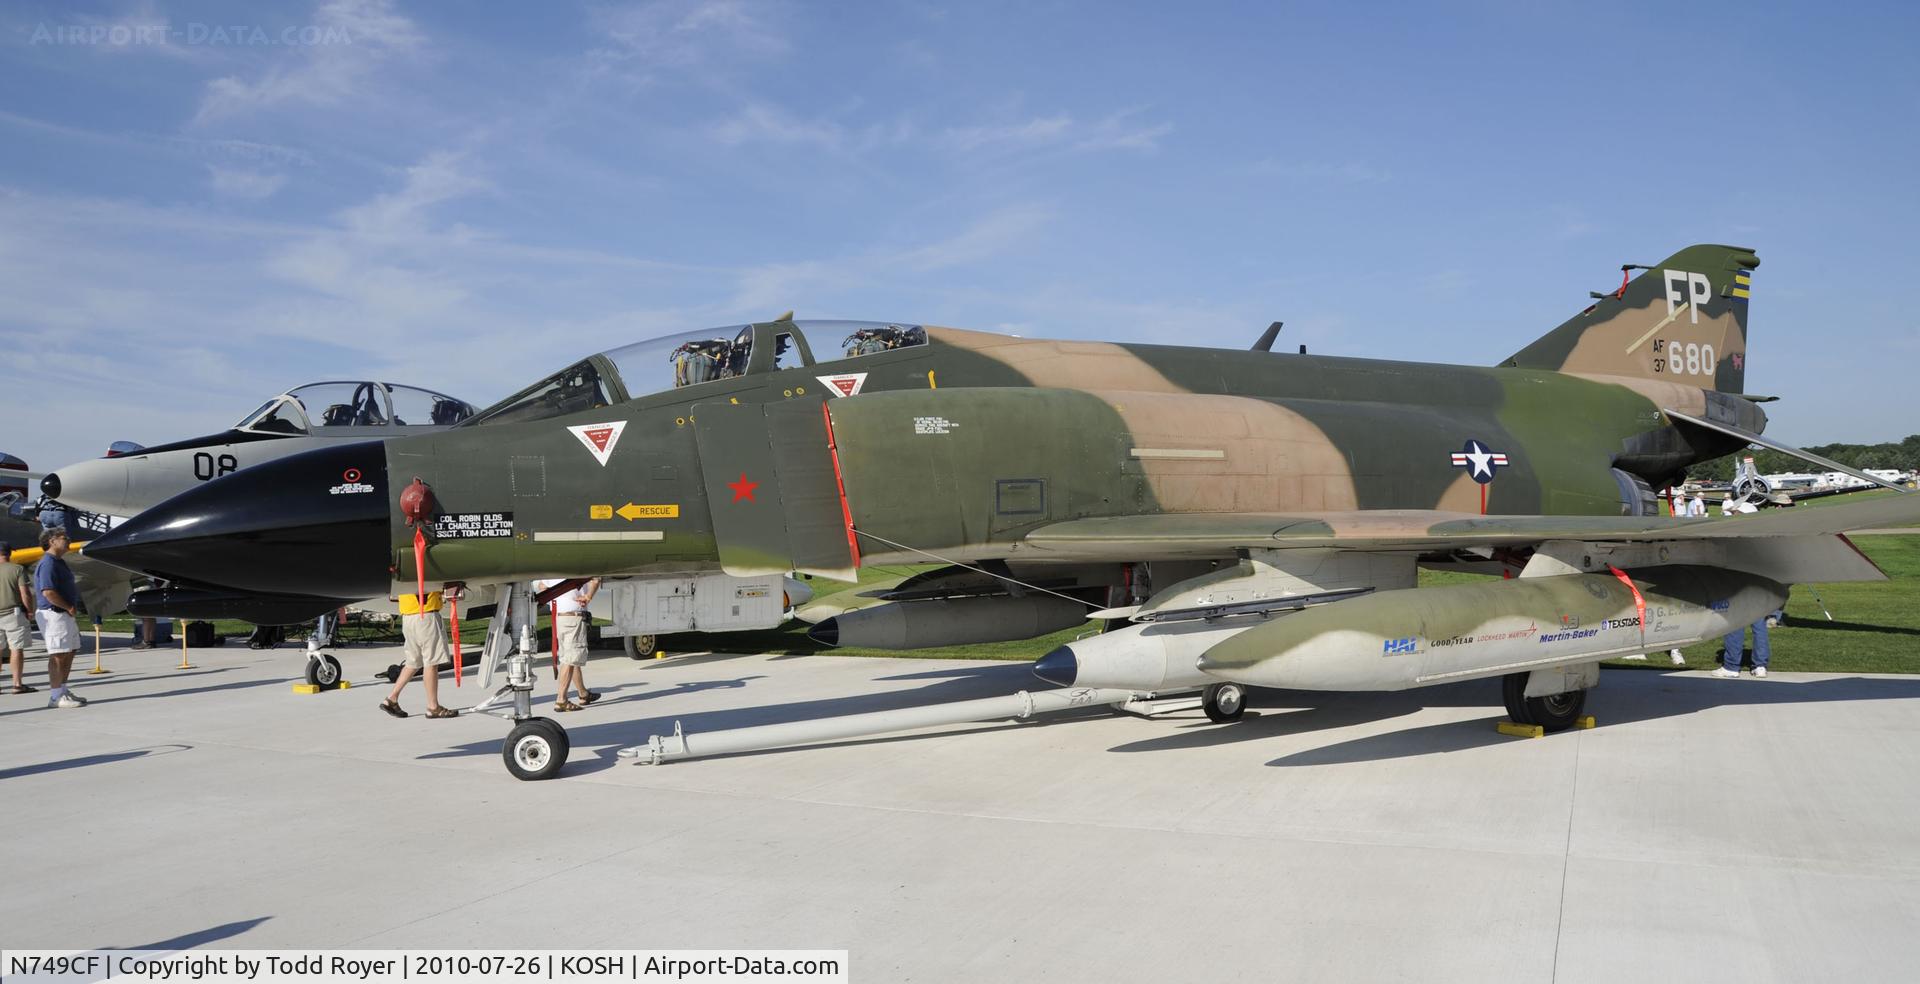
[[743, 489]]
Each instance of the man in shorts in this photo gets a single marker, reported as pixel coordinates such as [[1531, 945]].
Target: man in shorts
[[16, 606], [570, 622], [59, 603], [426, 649]]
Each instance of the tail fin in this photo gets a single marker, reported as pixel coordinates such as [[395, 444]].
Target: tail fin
[[1682, 321]]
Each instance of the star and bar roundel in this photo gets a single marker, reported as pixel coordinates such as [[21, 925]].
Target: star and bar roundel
[[1480, 462]]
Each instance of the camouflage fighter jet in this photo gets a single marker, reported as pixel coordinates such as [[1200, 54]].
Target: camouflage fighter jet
[[1250, 518]]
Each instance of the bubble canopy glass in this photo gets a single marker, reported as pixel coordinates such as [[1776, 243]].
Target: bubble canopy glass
[[692, 358], [354, 404]]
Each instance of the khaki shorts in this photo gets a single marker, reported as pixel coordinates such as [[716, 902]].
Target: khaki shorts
[[15, 631], [573, 640], [426, 640], [58, 630]]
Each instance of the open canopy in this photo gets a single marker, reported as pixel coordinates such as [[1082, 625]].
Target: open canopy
[[690, 359], [317, 406]]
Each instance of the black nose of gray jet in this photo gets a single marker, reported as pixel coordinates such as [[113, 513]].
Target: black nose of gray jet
[[308, 524], [1060, 666]]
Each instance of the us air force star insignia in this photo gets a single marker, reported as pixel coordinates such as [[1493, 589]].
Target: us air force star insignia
[[1479, 462], [600, 438], [845, 384]]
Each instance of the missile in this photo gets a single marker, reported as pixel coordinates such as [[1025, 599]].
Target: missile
[[1149, 656], [311, 524], [1393, 640], [950, 622]]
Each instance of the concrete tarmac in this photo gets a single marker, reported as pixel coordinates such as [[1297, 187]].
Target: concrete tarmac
[[1707, 830]]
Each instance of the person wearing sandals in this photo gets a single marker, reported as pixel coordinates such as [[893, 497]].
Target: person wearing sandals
[[16, 600], [59, 603], [426, 648], [570, 622]]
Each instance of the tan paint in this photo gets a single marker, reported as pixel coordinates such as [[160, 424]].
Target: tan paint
[[1272, 459], [1624, 344], [1665, 395], [1463, 496], [1066, 365]]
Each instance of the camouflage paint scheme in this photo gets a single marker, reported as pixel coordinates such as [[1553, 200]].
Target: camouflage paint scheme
[[975, 445]]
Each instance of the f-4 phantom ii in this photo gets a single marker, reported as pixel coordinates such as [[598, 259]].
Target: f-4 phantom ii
[[1247, 517]]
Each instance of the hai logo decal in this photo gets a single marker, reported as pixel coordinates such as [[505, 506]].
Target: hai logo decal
[[1479, 462], [600, 438], [844, 385]]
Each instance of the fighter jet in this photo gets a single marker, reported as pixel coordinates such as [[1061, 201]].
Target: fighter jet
[[1243, 517], [130, 478], [104, 589]]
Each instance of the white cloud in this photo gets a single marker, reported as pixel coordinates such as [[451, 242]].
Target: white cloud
[[355, 37], [1354, 172], [248, 185], [680, 35], [1118, 131]]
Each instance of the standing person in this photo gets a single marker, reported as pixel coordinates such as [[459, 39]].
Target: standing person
[[426, 646], [1735, 649], [570, 627], [59, 603], [1697, 506], [16, 600]]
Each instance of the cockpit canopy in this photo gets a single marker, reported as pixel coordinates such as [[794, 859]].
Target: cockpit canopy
[[318, 406], [689, 359]]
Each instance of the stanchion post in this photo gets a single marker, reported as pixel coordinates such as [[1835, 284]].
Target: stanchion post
[[184, 665], [97, 668]]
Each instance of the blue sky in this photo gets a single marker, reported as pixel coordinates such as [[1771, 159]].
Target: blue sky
[[203, 204]]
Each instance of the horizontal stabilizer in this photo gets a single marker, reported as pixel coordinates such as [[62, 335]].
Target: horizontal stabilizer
[[1766, 442]]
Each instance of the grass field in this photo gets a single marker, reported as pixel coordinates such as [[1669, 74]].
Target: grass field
[[1875, 626]]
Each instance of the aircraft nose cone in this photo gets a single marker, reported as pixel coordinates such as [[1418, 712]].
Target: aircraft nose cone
[[1060, 667], [826, 632], [307, 524], [99, 485]]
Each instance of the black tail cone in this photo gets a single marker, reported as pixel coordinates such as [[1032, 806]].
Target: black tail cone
[[308, 524]]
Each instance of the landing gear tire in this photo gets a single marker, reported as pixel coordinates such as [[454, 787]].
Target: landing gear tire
[[323, 670], [1554, 712], [535, 749], [1224, 702], [640, 647]]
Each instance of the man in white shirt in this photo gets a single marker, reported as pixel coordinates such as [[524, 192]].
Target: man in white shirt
[[570, 622]]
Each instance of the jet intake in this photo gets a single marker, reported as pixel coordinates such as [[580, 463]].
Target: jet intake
[[950, 622]]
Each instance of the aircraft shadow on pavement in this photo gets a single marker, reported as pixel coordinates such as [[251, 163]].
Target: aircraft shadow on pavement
[[83, 761], [212, 934], [1674, 696]]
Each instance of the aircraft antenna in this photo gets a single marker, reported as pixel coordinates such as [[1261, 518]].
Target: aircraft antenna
[[1265, 344]]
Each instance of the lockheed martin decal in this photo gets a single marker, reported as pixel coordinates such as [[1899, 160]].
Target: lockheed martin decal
[[600, 438]]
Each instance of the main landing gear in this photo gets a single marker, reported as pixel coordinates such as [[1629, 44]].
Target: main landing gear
[[1554, 712], [537, 747]]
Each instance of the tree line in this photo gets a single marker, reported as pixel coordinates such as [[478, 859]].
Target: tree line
[[1904, 455]]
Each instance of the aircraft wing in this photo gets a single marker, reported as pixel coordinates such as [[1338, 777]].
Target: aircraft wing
[[1210, 534]]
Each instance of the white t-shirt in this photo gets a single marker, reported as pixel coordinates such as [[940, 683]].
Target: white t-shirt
[[569, 602], [1697, 506]]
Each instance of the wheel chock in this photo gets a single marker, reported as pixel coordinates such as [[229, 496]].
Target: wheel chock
[[1519, 730], [1585, 723], [314, 688]]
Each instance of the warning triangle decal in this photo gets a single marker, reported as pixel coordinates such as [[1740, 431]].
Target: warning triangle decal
[[844, 385], [600, 439]]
